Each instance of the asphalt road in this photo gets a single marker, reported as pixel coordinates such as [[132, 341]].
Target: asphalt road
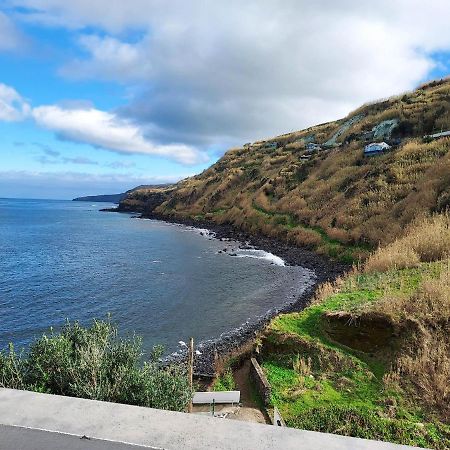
[[17, 438]]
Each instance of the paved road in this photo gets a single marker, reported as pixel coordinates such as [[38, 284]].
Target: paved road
[[17, 438]]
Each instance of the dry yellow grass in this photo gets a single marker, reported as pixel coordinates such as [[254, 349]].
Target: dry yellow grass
[[303, 366], [429, 303], [424, 360], [428, 369], [425, 240]]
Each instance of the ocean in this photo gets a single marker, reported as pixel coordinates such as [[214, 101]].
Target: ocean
[[67, 260]]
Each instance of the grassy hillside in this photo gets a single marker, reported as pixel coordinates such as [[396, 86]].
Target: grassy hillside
[[371, 356], [335, 200]]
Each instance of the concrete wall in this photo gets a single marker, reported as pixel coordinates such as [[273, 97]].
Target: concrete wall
[[260, 380], [112, 423]]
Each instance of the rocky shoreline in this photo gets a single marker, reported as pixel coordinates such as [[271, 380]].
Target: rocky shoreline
[[230, 342]]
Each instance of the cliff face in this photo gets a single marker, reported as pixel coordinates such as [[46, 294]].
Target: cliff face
[[117, 198], [146, 200], [110, 198], [317, 187]]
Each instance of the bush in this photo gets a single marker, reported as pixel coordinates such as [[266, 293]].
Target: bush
[[95, 363], [225, 382]]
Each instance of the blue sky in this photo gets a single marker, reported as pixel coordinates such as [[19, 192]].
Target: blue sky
[[99, 96]]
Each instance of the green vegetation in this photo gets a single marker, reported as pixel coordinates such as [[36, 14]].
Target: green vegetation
[[348, 253], [368, 424], [225, 382], [95, 363], [371, 356]]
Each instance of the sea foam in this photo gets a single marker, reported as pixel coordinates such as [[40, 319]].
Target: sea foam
[[261, 254]]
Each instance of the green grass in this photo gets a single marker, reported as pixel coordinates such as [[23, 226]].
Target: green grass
[[350, 401], [342, 390], [366, 423], [295, 393], [357, 291], [225, 382], [336, 249]]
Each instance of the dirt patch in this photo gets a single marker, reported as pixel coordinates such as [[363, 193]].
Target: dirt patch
[[373, 333], [368, 333], [250, 410]]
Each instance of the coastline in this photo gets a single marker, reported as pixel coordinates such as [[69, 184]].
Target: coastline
[[234, 342]]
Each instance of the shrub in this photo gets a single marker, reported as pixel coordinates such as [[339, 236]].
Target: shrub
[[429, 303], [430, 238], [225, 382], [11, 370], [95, 363]]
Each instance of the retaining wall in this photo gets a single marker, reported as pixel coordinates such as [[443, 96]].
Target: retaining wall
[[260, 381]]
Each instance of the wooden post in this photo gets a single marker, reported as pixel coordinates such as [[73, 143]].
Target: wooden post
[[191, 369]]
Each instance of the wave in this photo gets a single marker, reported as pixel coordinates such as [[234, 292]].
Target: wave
[[203, 231], [261, 254], [241, 253]]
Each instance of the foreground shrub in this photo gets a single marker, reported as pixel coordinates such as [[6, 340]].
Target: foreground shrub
[[398, 255], [95, 363]]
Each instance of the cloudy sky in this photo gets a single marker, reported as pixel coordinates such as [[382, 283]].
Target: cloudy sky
[[97, 96]]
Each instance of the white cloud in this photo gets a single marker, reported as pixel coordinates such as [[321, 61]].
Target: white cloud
[[215, 73], [80, 122], [10, 37], [108, 131], [122, 61], [12, 106]]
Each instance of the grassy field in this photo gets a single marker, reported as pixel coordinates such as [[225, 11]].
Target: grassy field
[[370, 357]]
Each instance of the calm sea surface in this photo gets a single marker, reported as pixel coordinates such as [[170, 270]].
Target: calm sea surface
[[61, 259]]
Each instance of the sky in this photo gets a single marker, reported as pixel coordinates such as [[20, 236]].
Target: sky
[[99, 96]]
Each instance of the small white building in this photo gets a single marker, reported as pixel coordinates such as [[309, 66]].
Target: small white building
[[375, 148]]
